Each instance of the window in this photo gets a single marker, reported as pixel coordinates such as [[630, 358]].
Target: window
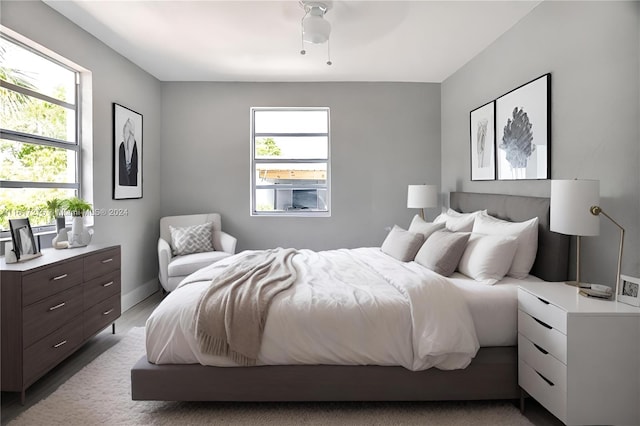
[[290, 166], [39, 132]]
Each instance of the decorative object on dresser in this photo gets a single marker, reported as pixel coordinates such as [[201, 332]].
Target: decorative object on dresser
[[629, 290], [596, 210], [571, 201], [80, 236], [422, 197], [24, 244], [578, 356], [51, 306], [523, 131], [483, 140], [127, 153]]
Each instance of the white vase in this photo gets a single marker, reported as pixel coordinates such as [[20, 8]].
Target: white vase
[[80, 236]]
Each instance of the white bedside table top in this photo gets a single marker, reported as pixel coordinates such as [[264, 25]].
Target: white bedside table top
[[567, 298]]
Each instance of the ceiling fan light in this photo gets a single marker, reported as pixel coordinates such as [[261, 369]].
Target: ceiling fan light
[[315, 29]]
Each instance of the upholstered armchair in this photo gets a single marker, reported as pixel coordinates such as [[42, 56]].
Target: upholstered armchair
[[191, 249]]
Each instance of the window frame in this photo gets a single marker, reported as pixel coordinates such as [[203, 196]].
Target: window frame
[[255, 161], [75, 147]]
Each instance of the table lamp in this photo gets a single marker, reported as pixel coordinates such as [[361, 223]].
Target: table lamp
[[571, 202], [422, 197]]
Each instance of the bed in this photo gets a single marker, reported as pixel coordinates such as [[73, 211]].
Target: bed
[[492, 374]]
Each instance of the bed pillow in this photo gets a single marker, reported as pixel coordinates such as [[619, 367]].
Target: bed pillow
[[456, 221], [402, 244], [526, 234], [442, 251], [191, 239], [420, 226], [487, 258]]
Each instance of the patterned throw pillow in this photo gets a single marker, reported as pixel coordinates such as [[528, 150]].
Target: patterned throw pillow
[[191, 239]]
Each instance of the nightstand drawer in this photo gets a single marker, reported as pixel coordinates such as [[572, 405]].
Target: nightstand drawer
[[543, 335], [552, 395], [543, 310], [50, 281], [50, 314], [101, 263], [542, 362]]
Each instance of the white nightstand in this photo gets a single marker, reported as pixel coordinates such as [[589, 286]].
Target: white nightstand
[[579, 357]]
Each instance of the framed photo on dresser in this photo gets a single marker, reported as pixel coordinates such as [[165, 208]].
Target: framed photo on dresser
[[629, 291]]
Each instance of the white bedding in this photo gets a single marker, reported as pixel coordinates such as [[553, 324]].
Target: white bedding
[[358, 307], [494, 308]]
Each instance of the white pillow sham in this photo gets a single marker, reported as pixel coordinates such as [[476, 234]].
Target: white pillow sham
[[456, 221], [487, 258], [402, 244], [526, 234], [420, 226]]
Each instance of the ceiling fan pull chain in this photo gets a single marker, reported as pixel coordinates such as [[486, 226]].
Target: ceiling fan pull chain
[[329, 52], [302, 51]]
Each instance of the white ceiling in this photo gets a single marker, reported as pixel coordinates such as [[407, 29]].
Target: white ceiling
[[413, 41]]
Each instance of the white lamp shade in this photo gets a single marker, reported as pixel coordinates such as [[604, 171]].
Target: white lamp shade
[[571, 202], [315, 29], [422, 196]]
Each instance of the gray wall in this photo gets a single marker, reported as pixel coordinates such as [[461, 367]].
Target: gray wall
[[115, 79], [592, 51], [384, 136]]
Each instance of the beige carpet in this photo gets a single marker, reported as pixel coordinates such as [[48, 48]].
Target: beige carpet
[[101, 394]]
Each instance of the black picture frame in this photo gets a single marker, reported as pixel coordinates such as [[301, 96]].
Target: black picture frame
[[523, 131], [127, 153], [482, 140], [24, 243]]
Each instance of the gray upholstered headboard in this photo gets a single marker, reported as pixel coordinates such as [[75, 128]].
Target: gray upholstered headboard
[[552, 260]]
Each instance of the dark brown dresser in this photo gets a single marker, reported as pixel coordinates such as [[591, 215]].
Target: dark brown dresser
[[51, 305]]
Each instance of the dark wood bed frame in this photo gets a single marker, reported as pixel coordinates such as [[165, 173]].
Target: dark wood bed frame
[[493, 373]]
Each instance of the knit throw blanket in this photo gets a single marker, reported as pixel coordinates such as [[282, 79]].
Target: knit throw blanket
[[232, 312]]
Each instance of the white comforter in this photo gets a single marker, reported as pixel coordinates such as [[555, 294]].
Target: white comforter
[[350, 307]]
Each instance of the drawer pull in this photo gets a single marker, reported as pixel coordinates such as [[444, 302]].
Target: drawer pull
[[59, 277], [107, 260], [108, 312], [107, 284], [543, 301], [540, 349], [59, 305], [549, 382], [64, 342], [545, 325]]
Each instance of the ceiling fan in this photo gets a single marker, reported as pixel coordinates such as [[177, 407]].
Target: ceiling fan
[[314, 28]]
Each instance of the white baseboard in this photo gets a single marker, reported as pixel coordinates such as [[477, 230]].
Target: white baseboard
[[139, 294]]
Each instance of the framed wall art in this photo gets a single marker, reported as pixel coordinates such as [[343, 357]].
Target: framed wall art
[[523, 131], [127, 153], [482, 139]]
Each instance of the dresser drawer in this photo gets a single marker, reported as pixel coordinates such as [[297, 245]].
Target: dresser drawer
[[543, 335], [545, 364], [50, 350], [101, 315], [50, 281], [543, 310], [552, 395], [49, 314], [101, 263], [101, 288]]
